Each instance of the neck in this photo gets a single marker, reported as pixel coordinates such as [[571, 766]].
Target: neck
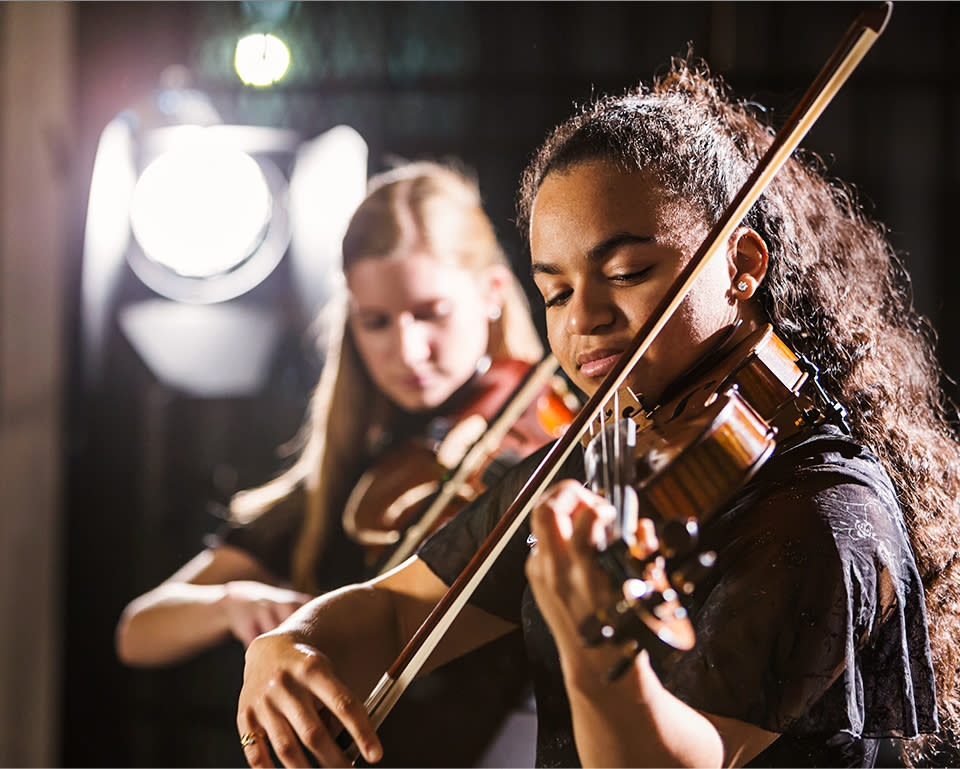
[[725, 340]]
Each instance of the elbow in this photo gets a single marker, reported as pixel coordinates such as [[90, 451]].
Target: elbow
[[714, 752], [123, 642], [130, 643]]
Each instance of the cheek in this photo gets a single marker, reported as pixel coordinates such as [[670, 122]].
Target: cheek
[[369, 347], [372, 360], [463, 340], [372, 348], [558, 341], [557, 338]]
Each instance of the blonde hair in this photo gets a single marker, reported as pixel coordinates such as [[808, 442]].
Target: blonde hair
[[421, 203]]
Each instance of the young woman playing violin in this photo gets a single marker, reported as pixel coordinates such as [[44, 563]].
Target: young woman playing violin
[[429, 303], [811, 627]]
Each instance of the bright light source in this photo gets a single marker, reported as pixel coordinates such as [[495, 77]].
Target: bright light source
[[201, 210], [261, 59]]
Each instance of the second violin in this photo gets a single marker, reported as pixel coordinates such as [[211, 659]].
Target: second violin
[[507, 412]]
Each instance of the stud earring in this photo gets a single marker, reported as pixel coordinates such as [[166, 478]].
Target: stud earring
[[494, 312], [742, 285]]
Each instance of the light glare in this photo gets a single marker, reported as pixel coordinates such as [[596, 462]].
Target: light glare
[[201, 210], [261, 59]]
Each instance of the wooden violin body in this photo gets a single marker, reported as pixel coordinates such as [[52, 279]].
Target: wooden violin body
[[404, 481]]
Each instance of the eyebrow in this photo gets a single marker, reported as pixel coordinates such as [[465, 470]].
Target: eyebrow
[[426, 304], [596, 254]]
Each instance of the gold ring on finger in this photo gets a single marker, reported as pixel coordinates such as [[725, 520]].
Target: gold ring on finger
[[248, 739]]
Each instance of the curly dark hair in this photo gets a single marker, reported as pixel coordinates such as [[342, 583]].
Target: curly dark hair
[[835, 290]]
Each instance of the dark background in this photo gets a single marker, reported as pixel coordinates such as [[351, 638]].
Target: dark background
[[481, 82]]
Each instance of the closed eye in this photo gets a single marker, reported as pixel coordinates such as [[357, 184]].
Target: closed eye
[[557, 299], [372, 322], [629, 278], [433, 311]]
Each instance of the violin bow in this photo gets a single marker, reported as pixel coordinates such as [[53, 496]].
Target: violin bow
[[860, 37]]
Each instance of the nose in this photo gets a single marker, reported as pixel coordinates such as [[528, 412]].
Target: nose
[[590, 309], [413, 343]]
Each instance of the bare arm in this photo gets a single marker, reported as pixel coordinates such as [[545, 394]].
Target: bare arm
[[314, 671], [634, 721], [221, 592]]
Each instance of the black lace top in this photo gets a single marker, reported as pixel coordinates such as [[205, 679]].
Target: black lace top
[[811, 624]]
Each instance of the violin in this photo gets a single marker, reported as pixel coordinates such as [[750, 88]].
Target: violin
[[416, 485], [680, 463], [707, 416]]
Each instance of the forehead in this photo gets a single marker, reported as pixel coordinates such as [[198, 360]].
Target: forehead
[[398, 281], [581, 205]]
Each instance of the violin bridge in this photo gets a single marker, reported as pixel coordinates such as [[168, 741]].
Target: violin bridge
[[627, 406]]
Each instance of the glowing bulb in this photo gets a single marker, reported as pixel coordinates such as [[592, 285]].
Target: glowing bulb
[[261, 59], [202, 210]]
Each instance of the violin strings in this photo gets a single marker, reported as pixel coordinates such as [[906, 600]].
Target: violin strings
[[603, 476], [617, 459]]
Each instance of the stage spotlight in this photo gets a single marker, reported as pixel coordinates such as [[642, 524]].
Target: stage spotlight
[[211, 222], [201, 217], [261, 59]]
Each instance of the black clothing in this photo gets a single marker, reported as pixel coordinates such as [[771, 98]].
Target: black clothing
[[810, 624], [446, 718], [272, 536]]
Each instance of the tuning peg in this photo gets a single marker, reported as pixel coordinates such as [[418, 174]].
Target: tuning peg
[[678, 537], [686, 575]]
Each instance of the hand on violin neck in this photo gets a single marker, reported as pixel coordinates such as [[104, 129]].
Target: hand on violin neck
[[570, 523], [569, 585]]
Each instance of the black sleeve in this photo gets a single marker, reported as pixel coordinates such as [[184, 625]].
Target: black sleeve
[[448, 551], [814, 621], [270, 538]]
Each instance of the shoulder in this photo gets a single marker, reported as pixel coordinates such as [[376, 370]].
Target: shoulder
[[275, 523], [806, 614], [517, 476], [828, 488], [821, 530]]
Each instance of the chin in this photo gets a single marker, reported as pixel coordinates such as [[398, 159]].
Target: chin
[[412, 405], [418, 402]]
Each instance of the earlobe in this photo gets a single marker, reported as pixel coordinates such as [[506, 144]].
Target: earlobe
[[498, 282], [749, 260]]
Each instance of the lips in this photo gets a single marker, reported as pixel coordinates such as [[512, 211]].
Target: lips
[[415, 381], [596, 363]]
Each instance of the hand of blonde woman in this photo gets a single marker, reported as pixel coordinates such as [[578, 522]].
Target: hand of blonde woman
[[253, 608]]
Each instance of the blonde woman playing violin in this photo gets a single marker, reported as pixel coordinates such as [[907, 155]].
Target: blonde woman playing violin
[[429, 301], [811, 627]]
